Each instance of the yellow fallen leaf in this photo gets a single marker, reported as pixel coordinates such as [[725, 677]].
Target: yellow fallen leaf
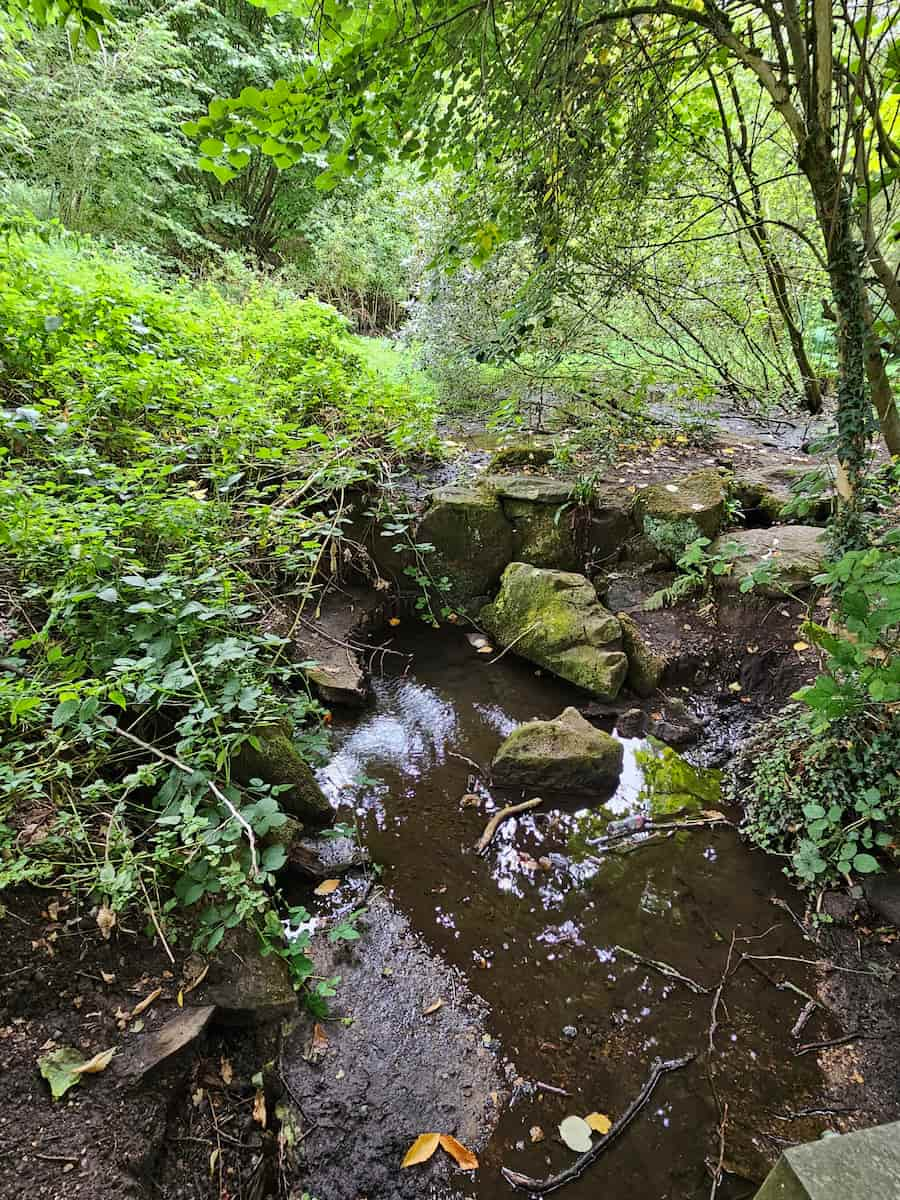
[[95, 1065], [259, 1108], [461, 1155], [327, 886], [432, 1008], [146, 1002], [599, 1122], [801, 646], [226, 1070], [394, 621], [421, 1149]]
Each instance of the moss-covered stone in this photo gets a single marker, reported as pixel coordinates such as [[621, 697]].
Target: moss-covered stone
[[695, 502], [246, 986], [472, 539], [522, 452], [645, 667], [543, 535], [277, 762], [566, 755], [791, 556], [556, 621], [765, 493]]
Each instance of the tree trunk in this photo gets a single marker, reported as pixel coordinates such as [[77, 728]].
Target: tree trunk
[[882, 392]]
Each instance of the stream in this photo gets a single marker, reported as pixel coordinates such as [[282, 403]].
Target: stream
[[535, 922]]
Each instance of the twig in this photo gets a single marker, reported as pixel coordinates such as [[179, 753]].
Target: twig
[[783, 904], [717, 1174], [471, 761], [541, 1187], [714, 1010], [548, 1087], [823, 964], [506, 649], [839, 1041], [664, 969], [156, 924], [63, 1158], [498, 818], [216, 791], [806, 1012]]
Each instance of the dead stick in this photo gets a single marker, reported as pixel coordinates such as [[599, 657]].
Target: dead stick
[[714, 1010], [666, 969], [505, 649], [839, 1041], [541, 1187], [807, 1011], [717, 1174], [498, 818]]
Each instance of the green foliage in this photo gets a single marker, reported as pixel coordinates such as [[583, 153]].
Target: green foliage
[[697, 567], [827, 802], [172, 460], [826, 793]]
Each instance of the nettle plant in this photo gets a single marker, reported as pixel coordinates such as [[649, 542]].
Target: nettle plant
[[826, 793]]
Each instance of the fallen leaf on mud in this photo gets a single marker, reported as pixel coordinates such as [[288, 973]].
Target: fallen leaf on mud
[[213, 1159], [470, 800], [197, 1097], [53, 910], [259, 1108], [317, 1044], [59, 1069], [798, 646], [95, 1065], [326, 887], [461, 1155], [196, 981], [226, 1070], [106, 920], [483, 650], [108, 976], [599, 1122], [421, 1149], [143, 1005], [576, 1133], [394, 621], [734, 687], [536, 1133], [432, 1008]]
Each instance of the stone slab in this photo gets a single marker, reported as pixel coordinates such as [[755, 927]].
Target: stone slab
[[856, 1166]]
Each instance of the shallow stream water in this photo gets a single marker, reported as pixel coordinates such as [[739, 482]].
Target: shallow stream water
[[535, 922]]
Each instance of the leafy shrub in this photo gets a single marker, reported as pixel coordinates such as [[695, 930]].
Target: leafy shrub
[[826, 792], [171, 459]]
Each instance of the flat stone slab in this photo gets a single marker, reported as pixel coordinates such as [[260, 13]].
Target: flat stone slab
[[536, 489], [855, 1166], [157, 1047], [794, 553]]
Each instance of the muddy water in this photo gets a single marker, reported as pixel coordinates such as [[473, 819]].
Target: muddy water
[[535, 922]]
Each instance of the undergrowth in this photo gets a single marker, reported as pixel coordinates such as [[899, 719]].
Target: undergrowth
[[171, 460]]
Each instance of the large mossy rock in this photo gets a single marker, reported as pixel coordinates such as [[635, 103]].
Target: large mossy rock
[[793, 553], [765, 492], [645, 666], [671, 515], [522, 451], [564, 756], [472, 540], [277, 762], [555, 620], [540, 515]]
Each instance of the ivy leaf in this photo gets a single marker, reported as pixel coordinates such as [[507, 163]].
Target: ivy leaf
[[61, 1069]]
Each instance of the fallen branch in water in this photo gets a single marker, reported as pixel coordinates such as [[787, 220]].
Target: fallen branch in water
[[505, 649], [498, 818], [666, 969], [714, 1010], [541, 1187], [720, 1165]]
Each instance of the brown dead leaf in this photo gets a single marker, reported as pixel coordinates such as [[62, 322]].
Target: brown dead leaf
[[226, 1070], [536, 1133], [461, 1155], [143, 1005], [599, 1122], [421, 1149], [107, 976], [196, 981], [432, 1008], [106, 921], [259, 1108], [95, 1065], [326, 887]]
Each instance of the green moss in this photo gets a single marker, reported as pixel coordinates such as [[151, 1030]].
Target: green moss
[[277, 762], [645, 668], [671, 784]]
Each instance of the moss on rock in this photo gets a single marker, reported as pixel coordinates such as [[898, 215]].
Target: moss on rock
[[522, 452], [695, 502], [565, 755], [277, 762], [645, 666], [556, 621], [472, 540]]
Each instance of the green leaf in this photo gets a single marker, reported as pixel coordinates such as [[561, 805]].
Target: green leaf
[[211, 147], [865, 864], [58, 1068], [64, 712]]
